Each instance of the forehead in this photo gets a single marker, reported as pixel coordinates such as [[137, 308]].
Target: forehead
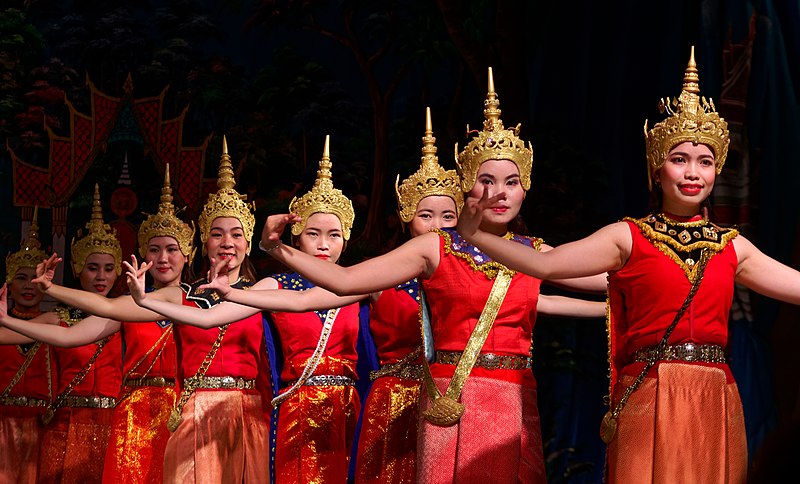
[[163, 241], [226, 223], [100, 259], [437, 203], [498, 168], [691, 148], [324, 221], [25, 271]]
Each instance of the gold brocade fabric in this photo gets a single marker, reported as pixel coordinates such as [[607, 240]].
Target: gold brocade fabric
[[223, 437], [686, 425], [387, 444], [74, 446], [498, 438], [316, 427], [20, 431], [139, 436]]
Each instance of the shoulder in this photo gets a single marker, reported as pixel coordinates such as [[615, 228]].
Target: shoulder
[[266, 283]]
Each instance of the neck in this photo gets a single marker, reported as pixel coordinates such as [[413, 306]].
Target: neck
[[25, 312], [495, 229]]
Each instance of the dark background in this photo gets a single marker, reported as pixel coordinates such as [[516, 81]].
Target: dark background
[[275, 77]]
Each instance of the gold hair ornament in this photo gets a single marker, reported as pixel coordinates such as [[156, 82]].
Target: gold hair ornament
[[494, 143], [323, 198], [30, 254], [227, 202], [690, 118], [430, 179], [100, 239], [165, 224]]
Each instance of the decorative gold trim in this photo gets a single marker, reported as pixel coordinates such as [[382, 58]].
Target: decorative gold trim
[[490, 268]]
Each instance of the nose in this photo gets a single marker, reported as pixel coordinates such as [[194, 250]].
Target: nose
[[323, 244], [227, 241], [691, 171]]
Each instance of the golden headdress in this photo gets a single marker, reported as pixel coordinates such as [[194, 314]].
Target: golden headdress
[[430, 179], [227, 202], [165, 224], [323, 198], [691, 118], [494, 143], [31, 253], [100, 239]]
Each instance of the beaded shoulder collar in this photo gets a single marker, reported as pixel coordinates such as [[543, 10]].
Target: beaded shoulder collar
[[455, 244], [683, 241], [206, 298]]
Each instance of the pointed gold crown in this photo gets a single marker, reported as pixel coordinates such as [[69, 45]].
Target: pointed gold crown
[[690, 118], [165, 224], [494, 143], [430, 179], [31, 253], [323, 198], [100, 239], [227, 202]]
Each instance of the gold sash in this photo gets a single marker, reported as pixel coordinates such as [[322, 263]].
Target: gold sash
[[445, 410], [312, 363]]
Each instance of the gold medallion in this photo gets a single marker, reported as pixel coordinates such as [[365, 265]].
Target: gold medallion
[[608, 427], [174, 420], [444, 412]]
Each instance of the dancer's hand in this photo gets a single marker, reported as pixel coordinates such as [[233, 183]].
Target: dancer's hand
[[469, 221], [46, 271], [273, 229], [134, 276], [218, 279]]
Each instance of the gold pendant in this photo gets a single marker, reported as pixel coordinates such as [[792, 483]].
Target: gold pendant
[[608, 427], [444, 412], [48, 415], [174, 419]]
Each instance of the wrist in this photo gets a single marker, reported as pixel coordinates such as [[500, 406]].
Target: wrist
[[270, 248]]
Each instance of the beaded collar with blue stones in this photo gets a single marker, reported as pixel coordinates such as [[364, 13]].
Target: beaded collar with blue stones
[[295, 282], [207, 298], [683, 241], [411, 288], [457, 246]]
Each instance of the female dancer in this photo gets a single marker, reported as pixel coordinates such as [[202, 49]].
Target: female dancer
[[318, 406], [493, 433], [139, 430], [25, 375], [78, 420], [675, 411]]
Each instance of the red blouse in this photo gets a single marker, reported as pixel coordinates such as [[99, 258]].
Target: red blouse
[[394, 324], [457, 292], [145, 348], [35, 382], [241, 354], [653, 287], [105, 376]]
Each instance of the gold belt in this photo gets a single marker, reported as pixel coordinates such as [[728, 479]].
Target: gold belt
[[219, 382], [400, 370], [683, 352], [158, 381], [490, 361], [89, 402], [329, 381], [22, 401]]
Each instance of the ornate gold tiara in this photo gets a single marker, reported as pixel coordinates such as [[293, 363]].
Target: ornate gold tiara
[[690, 118], [430, 179], [323, 198], [494, 143], [164, 223], [100, 239], [31, 253], [227, 202]]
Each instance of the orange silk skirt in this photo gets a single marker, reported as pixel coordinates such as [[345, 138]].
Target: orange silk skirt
[[223, 437], [74, 445], [498, 438], [387, 444], [316, 427], [139, 436], [686, 425], [20, 433]]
